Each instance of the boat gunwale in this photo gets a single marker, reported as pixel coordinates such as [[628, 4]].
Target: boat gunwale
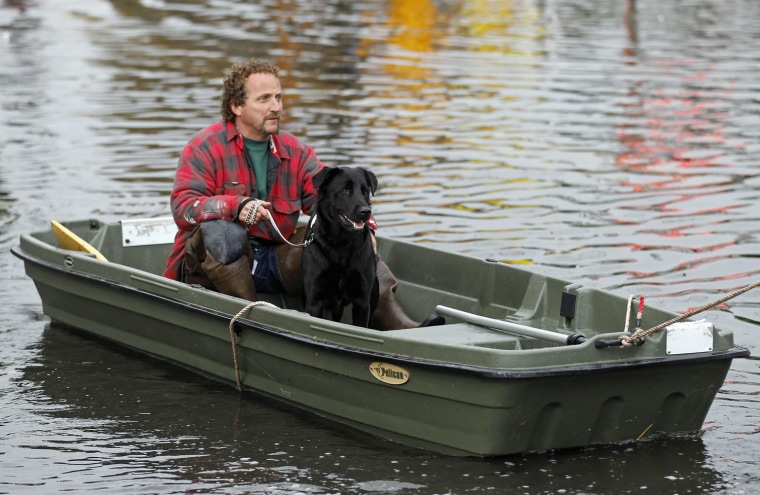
[[487, 372]]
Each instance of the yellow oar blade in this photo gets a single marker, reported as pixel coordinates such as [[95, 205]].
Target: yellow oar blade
[[69, 240]]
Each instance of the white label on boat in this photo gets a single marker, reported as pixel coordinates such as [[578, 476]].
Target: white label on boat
[[148, 231], [688, 337], [389, 373]]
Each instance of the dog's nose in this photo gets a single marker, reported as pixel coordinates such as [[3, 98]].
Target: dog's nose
[[365, 213]]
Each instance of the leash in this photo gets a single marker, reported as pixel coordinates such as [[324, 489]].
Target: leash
[[250, 217], [306, 243]]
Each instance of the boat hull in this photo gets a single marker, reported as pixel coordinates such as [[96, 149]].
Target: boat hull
[[420, 387]]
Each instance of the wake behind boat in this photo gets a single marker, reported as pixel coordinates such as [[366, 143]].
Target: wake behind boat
[[525, 362]]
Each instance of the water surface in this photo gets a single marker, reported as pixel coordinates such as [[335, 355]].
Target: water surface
[[609, 143]]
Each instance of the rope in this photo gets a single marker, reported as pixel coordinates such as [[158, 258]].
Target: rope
[[638, 337], [233, 340]]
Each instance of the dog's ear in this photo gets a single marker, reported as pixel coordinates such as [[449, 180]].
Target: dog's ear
[[323, 176], [371, 180]]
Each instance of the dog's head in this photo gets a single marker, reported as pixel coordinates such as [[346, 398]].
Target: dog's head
[[344, 195]]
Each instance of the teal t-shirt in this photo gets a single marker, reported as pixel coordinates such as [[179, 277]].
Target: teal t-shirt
[[258, 151]]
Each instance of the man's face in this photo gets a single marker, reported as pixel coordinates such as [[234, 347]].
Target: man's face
[[259, 116]]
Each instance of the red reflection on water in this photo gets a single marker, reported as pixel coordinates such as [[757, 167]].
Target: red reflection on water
[[674, 125], [679, 124], [680, 129]]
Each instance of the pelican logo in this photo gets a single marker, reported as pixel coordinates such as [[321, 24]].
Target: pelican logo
[[389, 373]]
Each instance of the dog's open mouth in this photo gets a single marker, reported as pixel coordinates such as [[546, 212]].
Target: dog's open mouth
[[356, 225]]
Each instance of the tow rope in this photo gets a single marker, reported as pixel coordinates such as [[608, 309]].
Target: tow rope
[[233, 338], [637, 337]]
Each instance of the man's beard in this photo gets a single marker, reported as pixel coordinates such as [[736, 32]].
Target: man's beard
[[263, 129]]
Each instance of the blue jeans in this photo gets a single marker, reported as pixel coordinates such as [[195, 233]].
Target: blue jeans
[[266, 272]]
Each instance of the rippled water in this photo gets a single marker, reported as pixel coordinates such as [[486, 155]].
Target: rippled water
[[612, 143]]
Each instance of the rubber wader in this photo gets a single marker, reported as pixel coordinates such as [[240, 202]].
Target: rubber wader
[[218, 256]]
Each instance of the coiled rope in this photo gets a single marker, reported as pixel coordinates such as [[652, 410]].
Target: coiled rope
[[233, 338], [639, 335]]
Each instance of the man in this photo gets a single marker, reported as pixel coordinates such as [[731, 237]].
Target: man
[[232, 177]]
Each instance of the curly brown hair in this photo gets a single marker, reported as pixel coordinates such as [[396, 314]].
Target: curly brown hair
[[233, 89]]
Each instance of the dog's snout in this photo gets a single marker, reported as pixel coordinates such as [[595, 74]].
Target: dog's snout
[[365, 213]]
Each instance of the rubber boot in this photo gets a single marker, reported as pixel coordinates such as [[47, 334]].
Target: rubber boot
[[203, 268], [390, 314], [234, 279], [289, 263]]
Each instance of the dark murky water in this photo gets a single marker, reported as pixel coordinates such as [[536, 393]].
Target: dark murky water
[[613, 143]]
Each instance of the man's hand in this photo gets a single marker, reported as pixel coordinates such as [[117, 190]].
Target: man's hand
[[253, 212]]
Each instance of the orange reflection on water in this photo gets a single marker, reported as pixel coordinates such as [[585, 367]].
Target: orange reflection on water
[[415, 24]]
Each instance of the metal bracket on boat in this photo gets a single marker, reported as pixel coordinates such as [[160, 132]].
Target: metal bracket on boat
[[567, 305], [507, 326]]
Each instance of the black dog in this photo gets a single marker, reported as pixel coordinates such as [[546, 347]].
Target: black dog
[[339, 266]]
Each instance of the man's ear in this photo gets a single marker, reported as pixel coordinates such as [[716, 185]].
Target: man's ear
[[236, 109]]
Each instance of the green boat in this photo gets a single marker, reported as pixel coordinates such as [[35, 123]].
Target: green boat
[[524, 363]]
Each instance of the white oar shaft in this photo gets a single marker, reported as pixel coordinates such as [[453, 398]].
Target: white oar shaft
[[501, 325]]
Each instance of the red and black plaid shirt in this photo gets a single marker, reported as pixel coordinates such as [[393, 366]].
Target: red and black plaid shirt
[[213, 179]]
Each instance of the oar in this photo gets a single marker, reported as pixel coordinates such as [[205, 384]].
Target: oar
[[506, 326], [69, 240]]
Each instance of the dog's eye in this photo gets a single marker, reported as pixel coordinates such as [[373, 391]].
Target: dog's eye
[[345, 190]]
